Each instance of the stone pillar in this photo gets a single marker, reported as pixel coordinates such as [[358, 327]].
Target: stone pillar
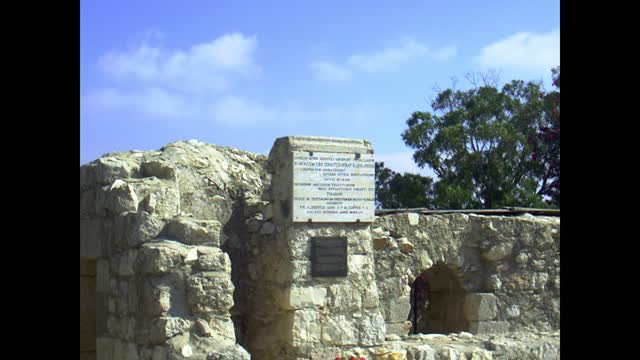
[[322, 188]]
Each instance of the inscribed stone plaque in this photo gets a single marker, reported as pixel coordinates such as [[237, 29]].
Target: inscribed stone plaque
[[333, 187], [329, 256]]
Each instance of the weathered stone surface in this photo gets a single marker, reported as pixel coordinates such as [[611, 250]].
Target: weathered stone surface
[[339, 330], [498, 251], [195, 232], [167, 327], [481, 306], [301, 297], [91, 238], [157, 258], [399, 309], [119, 197], [491, 327], [134, 228], [210, 292], [372, 329], [214, 261], [399, 328], [235, 352], [156, 221], [306, 328]]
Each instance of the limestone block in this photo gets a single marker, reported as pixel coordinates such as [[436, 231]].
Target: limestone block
[[159, 353], [372, 329], [157, 259], [158, 197], [167, 327], [370, 295], [223, 330], [87, 203], [399, 309], [339, 330], [399, 328], [384, 354], [214, 261], [132, 229], [404, 245], [159, 168], [414, 219], [104, 348], [267, 228], [126, 263], [301, 297], [233, 352], [539, 281], [421, 352], [203, 328], [195, 232], [91, 238], [494, 283], [102, 275], [306, 330], [132, 352], [360, 269], [498, 252], [119, 197], [522, 259], [343, 297], [156, 301], [480, 306], [381, 242], [119, 349], [210, 292], [488, 327], [106, 170]]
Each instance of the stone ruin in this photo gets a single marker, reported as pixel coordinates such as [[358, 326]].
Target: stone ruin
[[198, 251]]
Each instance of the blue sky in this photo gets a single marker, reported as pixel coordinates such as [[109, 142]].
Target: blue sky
[[241, 74]]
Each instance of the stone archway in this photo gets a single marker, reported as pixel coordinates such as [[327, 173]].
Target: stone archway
[[437, 301]]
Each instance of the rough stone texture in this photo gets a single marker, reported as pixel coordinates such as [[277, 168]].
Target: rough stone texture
[[197, 257], [486, 254], [156, 222]]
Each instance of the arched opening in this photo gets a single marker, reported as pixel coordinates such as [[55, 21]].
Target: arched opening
[[437, 302]]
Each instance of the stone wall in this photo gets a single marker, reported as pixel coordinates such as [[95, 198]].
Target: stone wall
[[508, 268], [162, 226], [197, 257]]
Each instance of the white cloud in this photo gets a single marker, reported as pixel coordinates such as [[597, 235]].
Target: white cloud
[[390, 58], [525, 51], [226, 110], [326, 71], [154, 102], [202, 67], [403, 162]]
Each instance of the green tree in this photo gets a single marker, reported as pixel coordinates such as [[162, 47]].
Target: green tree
[[480, 144], [396, 191], [546, 143]]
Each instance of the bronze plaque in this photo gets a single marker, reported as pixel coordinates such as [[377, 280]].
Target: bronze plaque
[[329, 256]]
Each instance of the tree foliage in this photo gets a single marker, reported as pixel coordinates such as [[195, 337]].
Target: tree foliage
[[489, 148], [546, 143], [395, 191]]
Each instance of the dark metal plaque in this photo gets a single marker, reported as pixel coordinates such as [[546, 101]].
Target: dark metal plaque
[[329, 256]]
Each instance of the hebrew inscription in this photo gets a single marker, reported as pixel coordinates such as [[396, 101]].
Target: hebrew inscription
[[333, 187]]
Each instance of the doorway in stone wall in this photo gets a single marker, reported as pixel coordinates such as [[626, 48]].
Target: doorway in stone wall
[[437, 301]]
